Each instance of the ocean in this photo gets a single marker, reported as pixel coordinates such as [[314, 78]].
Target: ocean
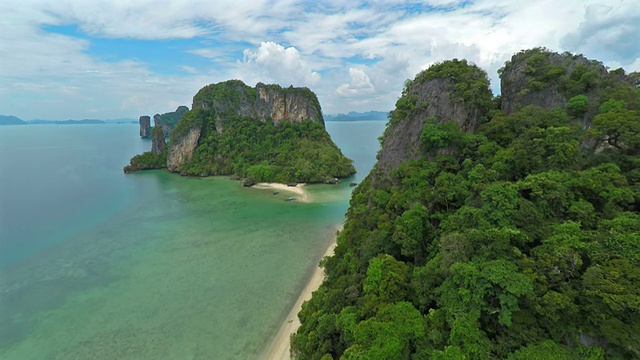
[[98, 264]]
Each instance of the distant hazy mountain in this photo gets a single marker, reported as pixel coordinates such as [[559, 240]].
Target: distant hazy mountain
[[357, 116], [11, 120], [65, 122]]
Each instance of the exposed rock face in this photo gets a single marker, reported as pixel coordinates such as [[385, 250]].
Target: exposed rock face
[[145, 126], [547, 79], [181, 148], [262, 102], [157, 120], [292, 104], [158, 142], [433, 98]]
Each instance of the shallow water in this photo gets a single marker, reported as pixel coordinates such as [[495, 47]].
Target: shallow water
[[98, 264]]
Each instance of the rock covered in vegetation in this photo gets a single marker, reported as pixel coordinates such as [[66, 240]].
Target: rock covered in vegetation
[[145, 126], [453, 91], [266, 133], [550, 80], [499, 236], [169, 120], [261, 102]]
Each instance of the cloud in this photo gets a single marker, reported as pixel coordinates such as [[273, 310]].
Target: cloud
[[360, 84], [609, 30], [354, 54], [273, 62]]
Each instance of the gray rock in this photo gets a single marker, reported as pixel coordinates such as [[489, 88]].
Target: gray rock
[[145, 126]]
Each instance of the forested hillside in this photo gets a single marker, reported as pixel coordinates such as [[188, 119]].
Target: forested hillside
[[504, 228]]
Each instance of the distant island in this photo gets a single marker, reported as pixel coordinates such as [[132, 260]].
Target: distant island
[[11, 120], [264, 133], [358, 116], [14, 120], [65, 122]]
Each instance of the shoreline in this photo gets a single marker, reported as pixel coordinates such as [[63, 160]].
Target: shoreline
[[279, 348], [298, 189]]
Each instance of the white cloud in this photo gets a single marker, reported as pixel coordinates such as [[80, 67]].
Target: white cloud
[[273, 62], [360, 84], [354, 54]]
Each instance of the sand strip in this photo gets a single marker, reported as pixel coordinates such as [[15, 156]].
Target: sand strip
[[279, 348], [298, 189]]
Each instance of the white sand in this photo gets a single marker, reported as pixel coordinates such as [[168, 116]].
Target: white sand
[[279, 348], [298, 189]]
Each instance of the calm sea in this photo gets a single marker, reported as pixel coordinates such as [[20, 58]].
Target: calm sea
[[96, 264]]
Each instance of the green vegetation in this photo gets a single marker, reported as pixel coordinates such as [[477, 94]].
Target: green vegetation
[[146, 161], [264, 151], [171, 119], [521, 241]]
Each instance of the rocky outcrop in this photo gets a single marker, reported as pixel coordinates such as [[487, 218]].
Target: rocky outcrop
[[430, 96], [233, 97], [181, 148], [548, 79], [291, 104], [158, 142], [145, 126], [264, 102], [157, 120]]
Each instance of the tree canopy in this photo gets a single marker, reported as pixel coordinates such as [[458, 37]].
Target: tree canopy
[[520, 241]]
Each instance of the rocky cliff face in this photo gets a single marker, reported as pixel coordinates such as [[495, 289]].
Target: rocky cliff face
[[229, 98], [264, 102], [145, 126], [433, 94], [181, 148], [547, 79], [158, 142]]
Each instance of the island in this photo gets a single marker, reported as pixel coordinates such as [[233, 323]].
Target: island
[[264, 133], [358, 116], [492, 227]]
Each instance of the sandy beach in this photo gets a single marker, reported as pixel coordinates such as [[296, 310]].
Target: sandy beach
[[299, 190], [279, 348]]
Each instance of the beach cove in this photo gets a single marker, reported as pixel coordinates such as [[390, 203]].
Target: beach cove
[[164, 266]]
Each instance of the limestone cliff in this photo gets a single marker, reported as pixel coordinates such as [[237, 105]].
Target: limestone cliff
[[158, 142], [451, 91], [181, 147], [145, 126], [169, 120]]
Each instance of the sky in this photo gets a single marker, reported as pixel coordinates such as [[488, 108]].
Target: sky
[[77, 59]]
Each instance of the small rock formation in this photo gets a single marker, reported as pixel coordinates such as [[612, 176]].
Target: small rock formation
[[158, 142], [145, 126], [157, 120]]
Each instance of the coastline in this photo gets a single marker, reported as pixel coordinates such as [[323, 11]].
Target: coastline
[[299, 190], [280, 346]]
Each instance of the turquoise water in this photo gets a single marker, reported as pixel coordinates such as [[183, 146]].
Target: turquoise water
[[102, 265]]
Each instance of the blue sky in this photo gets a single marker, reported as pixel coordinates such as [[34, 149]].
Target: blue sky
[[125, 58]]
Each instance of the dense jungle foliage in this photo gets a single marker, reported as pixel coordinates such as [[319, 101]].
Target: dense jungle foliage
[[520, 240], [264, 151]]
